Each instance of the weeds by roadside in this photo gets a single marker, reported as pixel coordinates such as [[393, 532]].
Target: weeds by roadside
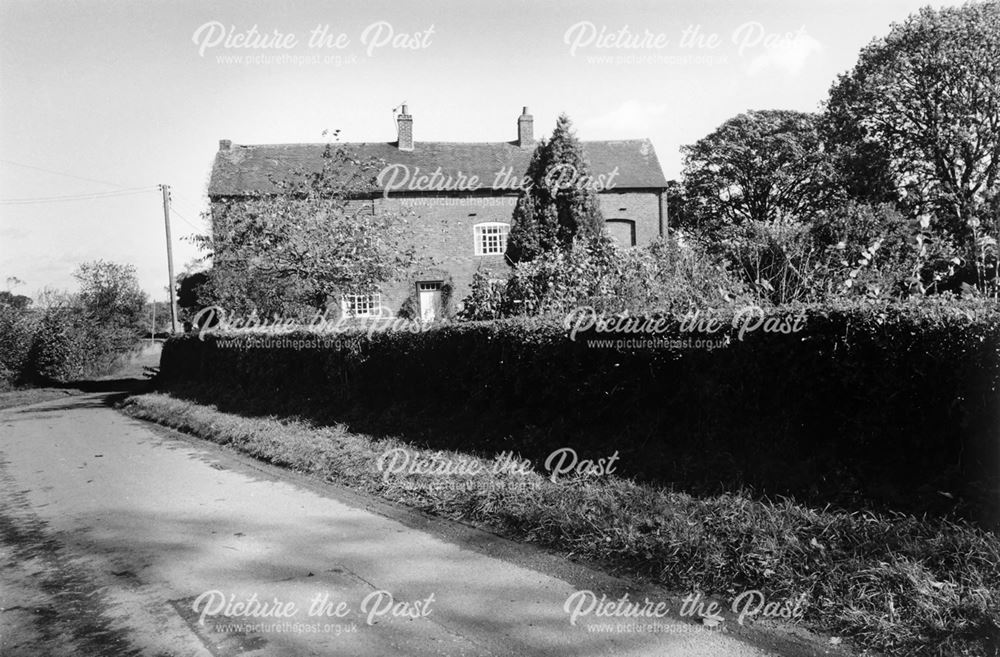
[[26, 396], [895, 584]]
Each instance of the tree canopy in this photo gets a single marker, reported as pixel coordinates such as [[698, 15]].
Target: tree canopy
[[758, 166], [15, 301], [921, 112], [110, 294], [319, 237]]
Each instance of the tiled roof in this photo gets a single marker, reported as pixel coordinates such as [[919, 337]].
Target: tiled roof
[[240, 170]]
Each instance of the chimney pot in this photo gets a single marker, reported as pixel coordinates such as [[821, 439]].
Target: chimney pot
[[225, 144]]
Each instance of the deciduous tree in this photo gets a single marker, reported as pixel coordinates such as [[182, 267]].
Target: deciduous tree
[[758, 166], [921, 110], [317, 237], [110, 294]]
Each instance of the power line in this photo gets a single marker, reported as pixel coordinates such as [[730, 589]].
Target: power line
[[173, 197], [189, 204], [188, 201], [188, 207], [60, 173], [183, 218], [95, 195], [75, 197]]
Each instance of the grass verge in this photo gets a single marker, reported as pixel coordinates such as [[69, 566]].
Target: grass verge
[[26, 396], [896, 584]]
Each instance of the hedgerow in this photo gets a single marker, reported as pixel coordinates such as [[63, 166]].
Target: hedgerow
[[891, 405]]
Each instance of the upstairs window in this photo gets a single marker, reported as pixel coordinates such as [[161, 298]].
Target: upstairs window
[[361, 305], [491, 238]]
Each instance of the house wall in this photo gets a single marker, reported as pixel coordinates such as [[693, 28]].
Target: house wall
[[442, 229], [641, 207]]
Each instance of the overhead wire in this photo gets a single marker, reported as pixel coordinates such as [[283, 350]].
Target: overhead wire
[[61, 173], [29, 200]]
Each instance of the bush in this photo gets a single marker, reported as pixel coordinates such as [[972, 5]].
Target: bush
[[777, 260], [853, 250], [57, 345], [485, 300], [17, 328], [57, 351], [884, 404], [669, 273]]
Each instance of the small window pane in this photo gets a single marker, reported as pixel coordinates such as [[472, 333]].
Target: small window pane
[[491, 238], [362, 305]]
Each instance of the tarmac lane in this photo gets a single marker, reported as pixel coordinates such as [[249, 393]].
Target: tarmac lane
[[118, 538]]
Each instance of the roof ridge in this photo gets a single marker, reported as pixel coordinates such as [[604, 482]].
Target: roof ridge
[[447, 143], [238, 168]]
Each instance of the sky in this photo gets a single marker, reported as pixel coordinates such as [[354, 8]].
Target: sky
[[102, 101]]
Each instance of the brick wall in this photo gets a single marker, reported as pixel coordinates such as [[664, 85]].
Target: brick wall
[[442, 229], [641, 207]]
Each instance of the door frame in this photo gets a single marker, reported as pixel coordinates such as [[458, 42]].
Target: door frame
[[432, 285]]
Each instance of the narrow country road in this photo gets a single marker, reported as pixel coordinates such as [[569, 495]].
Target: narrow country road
[[111, 531]]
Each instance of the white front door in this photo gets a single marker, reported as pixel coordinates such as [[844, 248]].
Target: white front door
[[430, 300]]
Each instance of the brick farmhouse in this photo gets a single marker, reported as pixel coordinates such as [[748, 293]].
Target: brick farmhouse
[[463, 230]]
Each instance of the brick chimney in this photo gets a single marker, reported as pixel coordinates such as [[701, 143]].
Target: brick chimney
[[404, 124], [525, 129], [225, 144]]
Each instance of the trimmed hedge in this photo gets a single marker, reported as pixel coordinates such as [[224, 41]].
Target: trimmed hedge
[[894, 405], [59, 345]]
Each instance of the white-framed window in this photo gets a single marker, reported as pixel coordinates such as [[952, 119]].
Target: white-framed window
[[490, 238], [361, 305]]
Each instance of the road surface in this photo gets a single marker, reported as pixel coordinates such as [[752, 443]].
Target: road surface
[[120, 539]]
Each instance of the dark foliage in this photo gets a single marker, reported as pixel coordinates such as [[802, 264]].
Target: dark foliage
[[560, 201], [889, 405]]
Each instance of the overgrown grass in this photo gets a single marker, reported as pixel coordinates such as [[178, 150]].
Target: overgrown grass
[[891, 583]]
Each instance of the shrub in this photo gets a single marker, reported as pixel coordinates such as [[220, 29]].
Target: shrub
[[669, 273], [869, 250], [57, 345], [777, 260], [58, 352], [852, 250], [17, 328], [485, 300], [886, 404], [685, 276]]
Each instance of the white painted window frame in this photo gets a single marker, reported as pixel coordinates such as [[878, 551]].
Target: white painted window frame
[[372, 302], [479, 237]]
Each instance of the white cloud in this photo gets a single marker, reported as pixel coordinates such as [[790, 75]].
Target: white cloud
[[630, 119], [788, 56]]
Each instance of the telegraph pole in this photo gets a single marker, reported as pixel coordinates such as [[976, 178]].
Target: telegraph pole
[[170, 259]]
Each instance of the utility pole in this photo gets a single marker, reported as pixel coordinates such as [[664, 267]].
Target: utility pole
[[170, 259]]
